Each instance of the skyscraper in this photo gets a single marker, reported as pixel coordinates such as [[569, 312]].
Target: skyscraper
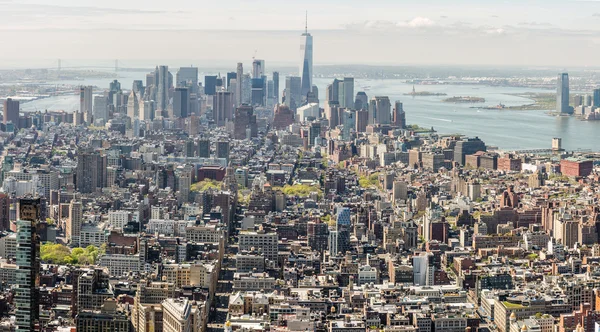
[[181, 101], [73, 229], [399, 115], [306, 64], [28, 265], [258, 68], [204, 148], [222, 149], [380, 110], [276, 86], [293, 92], [11, 111], [362, 101], [91, 171], [100, 108], [133, 106], [187, 77], [239, 84], [562, 94], [4, 212], [162, 97], [348, 92], [244, 120], [222, 107], [210, 85], [86, 102]]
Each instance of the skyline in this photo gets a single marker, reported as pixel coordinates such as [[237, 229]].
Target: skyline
[[412, 33]]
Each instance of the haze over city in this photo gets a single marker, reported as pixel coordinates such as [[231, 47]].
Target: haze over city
[[507, 33]]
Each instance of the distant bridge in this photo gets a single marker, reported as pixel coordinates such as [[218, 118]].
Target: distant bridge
[[548, 151]]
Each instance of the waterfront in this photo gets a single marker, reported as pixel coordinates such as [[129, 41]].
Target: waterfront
[[507, 129]]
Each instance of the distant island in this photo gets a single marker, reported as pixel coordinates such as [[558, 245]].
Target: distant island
[[463, 99], [423, 93]]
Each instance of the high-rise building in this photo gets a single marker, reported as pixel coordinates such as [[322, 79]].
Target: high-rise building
[[91, 171], [86, 102], [466, 147], [562, 94], [222, 150], [73, 229], [423, 269], [258, 92], [28, 265], [258, 68], [362, 101], [380, 110], [187, 77], [306, 64], [204, 148], [348, 92], [11, 111], [137, 86], [596, 98], [362, 120], [4, 212], [276, 86], [210, 85], [283, 117], [399, 115], [293, 92], [181, 102], [239, 81], [133, 106], [245, 122], [222, 107], [100, 108], [162, 98], [343, 216]]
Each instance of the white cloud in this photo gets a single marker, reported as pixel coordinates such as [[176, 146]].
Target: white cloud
[[417, 22]]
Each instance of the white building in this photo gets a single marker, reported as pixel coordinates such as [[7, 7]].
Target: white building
[[423, 269], [168, 227], [118, 219], [119, 264]]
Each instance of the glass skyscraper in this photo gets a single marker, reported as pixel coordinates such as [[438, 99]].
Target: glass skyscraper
[[562, 94], [306, 65]]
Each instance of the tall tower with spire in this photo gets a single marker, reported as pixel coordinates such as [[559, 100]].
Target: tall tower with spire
[[306, 64]]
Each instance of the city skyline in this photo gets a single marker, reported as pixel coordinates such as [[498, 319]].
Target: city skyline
[[410, 32]]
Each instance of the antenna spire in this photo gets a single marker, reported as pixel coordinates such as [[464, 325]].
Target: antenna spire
[[306, 23]]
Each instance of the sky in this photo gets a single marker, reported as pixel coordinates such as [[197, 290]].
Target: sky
[[553, 33]]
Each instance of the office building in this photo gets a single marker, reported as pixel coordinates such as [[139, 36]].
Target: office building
[[245, 122], [258, 68], [210, 85], [73, 229], [180, 315], [265, 242], [596, 98], [362, 120], [283, 117], [181, 102], [380, 110], [4, 213], [91, 171], [100, 109], [239, 84], [187, 77], [362, 101], [222, 150], [276, 86], [348, 92], [86, 102], [562, 94], [399, 119], [163, 81], [343, 216], [293, 92], [28, 266], [204, 148], [258, 92], [423, 269], [222, 107], [11, 111], [306, 64], [466, 147], [133, 106], [109, 318]]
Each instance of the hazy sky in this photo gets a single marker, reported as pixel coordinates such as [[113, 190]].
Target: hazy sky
[[563, 33]]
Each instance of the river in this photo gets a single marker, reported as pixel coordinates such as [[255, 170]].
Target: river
[[507, 129]]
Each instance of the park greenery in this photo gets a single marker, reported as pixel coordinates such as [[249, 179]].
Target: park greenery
[[369, 181], [300, 190], [205, 185], [60, 254]]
